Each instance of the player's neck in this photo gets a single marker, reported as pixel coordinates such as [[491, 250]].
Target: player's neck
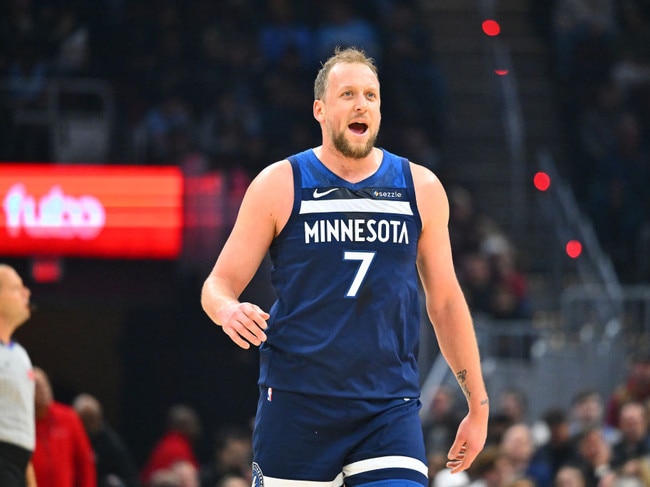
[[351, 169]]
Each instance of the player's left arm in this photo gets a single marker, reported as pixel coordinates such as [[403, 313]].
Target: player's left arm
[[450, 315]]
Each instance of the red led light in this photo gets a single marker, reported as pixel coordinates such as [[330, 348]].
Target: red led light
[[573, 249], [491, 28], [542, 181]]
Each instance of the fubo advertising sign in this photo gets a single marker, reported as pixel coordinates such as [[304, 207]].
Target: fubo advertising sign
[[91, 211]]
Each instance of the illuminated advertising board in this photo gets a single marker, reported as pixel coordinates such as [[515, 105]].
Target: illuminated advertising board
[[112, 211]]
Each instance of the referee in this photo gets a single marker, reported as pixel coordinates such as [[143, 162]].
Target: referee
[[17, 430]]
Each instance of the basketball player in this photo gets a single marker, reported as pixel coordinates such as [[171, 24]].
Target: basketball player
[[349, 227], [17, 428]]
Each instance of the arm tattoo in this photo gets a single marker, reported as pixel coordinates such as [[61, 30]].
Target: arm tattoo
[[461, 375]]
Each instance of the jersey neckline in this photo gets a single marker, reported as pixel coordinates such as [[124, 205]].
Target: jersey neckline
[[321, 167]]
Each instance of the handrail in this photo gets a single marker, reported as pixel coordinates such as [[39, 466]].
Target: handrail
[[514, 132]]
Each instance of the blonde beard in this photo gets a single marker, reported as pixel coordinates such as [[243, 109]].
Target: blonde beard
[[342, 145]]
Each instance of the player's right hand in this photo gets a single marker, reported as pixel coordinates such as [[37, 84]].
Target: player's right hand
[[244, 323]]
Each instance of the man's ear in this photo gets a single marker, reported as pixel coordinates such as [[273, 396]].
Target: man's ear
[[318, 110]]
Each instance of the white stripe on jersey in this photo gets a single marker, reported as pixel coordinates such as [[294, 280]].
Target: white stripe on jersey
[[356, 205], [379, 463], [273, 482]]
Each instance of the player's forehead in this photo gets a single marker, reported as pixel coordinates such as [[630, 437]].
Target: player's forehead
[[353, 75]]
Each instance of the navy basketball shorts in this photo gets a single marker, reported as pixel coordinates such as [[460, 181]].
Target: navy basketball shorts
[[315, 441]]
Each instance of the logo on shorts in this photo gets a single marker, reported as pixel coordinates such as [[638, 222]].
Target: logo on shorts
[[258, 477]]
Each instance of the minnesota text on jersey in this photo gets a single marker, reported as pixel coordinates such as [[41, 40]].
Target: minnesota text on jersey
[[357, 230]]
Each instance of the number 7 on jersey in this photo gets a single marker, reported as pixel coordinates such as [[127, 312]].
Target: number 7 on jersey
[[365, 258]]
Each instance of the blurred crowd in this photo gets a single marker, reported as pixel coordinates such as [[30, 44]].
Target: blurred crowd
[[228, 85], [219, 83], [602, 67], [593, 439]]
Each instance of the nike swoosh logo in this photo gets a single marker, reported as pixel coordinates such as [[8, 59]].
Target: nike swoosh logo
[[317, 194]]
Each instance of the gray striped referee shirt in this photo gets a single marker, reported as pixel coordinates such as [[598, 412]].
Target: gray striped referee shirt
[[17, 425]]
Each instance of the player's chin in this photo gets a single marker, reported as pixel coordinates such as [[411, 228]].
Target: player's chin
[[360, 147]]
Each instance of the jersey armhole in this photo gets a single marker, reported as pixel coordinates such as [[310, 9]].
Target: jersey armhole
[[297, 185], [297, 195], [408, 177]]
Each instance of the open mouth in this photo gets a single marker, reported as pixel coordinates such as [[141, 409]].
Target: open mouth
[[358, 128]]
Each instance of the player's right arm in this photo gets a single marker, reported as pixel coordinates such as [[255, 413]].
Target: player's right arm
[[264, 211]]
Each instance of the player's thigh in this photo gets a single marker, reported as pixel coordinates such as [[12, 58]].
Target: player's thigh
[[391, 452], [298, 438]]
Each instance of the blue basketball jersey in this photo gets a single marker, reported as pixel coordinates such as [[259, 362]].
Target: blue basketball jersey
[[346, 319]]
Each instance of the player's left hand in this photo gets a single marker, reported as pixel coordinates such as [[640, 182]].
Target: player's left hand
[[470, 439]]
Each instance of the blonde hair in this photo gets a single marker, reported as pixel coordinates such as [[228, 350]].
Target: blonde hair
[[341, 55]]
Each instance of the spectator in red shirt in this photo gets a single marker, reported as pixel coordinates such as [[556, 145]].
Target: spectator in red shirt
[[176, 444], [63, 456]]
